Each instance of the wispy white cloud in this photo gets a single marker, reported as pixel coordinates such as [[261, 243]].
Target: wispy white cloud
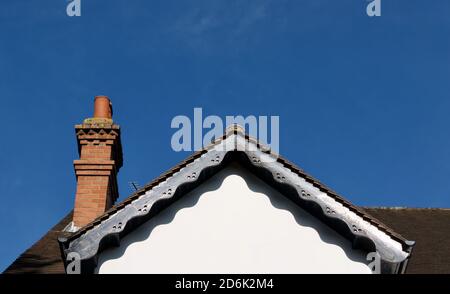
[[252, 16], [219, 22]]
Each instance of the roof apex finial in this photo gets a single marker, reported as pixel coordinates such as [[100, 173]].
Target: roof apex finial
[[235, 127]]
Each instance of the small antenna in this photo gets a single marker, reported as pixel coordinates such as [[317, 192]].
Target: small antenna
[[134, 186]]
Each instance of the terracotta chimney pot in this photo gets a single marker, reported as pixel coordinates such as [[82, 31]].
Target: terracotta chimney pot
[[102, 107]]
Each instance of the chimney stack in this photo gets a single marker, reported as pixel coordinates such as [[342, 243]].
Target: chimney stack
[[100, 151]]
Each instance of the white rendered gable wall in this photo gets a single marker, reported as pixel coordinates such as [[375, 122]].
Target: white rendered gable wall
[[233, 223]]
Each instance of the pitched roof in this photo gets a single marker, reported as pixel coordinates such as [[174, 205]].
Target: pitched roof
[[425, 226], [365, 231], [429, 227], [176, 169], [44, 256]]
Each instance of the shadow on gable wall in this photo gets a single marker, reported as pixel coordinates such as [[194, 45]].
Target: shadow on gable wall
[[191, 199]]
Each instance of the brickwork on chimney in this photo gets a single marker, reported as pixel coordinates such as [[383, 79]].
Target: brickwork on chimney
[[100, 152]]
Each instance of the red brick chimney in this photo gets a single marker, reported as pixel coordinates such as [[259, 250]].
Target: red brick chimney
[[100, 152]]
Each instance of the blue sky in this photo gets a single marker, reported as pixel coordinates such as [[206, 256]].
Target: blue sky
[[363, 102]]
